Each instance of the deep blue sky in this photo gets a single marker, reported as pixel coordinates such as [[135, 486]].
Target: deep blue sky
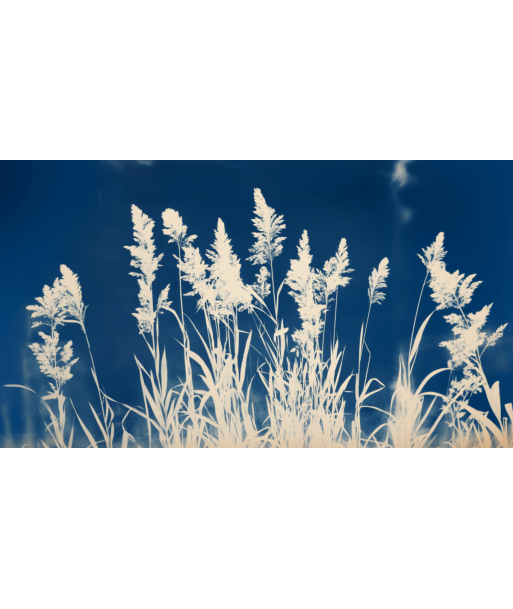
[[78, 214]]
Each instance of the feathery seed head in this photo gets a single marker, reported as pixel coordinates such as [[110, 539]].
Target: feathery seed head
[[469, 336], [60, 302], [52, 363], [194, 271], [143, 258], [143, 254], [377, 282], [300, 271], [268, 242], [435, 252], [450, 289], [262, 286], [470, 383], [227, 293], [71, 295], [222, 292], [163, 302], [493, 338], [175, 228], [331, 277], [49, 307], [306, 291], [468, 333]]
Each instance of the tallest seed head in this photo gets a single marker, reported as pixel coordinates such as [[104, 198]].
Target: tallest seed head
[[268, 242]]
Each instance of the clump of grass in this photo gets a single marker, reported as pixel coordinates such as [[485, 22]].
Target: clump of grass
[[59, 305], [377, 282], [310, 401], [468, 426], [455, 291], [163, 405], [222, 297]]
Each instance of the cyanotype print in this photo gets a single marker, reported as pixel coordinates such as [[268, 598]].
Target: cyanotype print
[[319, 304]]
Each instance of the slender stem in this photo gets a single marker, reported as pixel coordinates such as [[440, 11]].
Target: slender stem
[[416, 313], [366, 323], [358, 402], [324, 328], [62, 419], [154, 362], [367, 371], [274, 293], [147, 416], [54, 357], [335, 320], [94, 370], [363, 340], [208, 325], [188, 373], [180, 281]]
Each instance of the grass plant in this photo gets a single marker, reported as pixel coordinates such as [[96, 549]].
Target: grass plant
[[311, 399]]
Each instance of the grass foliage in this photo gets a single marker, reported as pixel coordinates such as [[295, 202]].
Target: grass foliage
[[310, 400]]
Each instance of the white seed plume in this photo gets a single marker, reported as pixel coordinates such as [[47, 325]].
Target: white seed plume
[[469, 335], [219, 285], [61, 302], [176, 229], [49, 307], [332, 275], [262, 286], [53, 360], [305, 290], [194, 271], [143, 254], [435, 252], [493, 338], [225, 293], [450, 289], [300, 272], [143, 258], [56, 306], [377, 282], [268, 242], [456, 290], [71, 295], [470, 383]]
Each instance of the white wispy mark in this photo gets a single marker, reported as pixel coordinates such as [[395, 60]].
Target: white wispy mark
[[120, 165], [405, 214], [401, 177], [398, 179]]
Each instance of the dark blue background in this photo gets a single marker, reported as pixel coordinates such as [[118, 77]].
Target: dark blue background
[[78, 214]]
